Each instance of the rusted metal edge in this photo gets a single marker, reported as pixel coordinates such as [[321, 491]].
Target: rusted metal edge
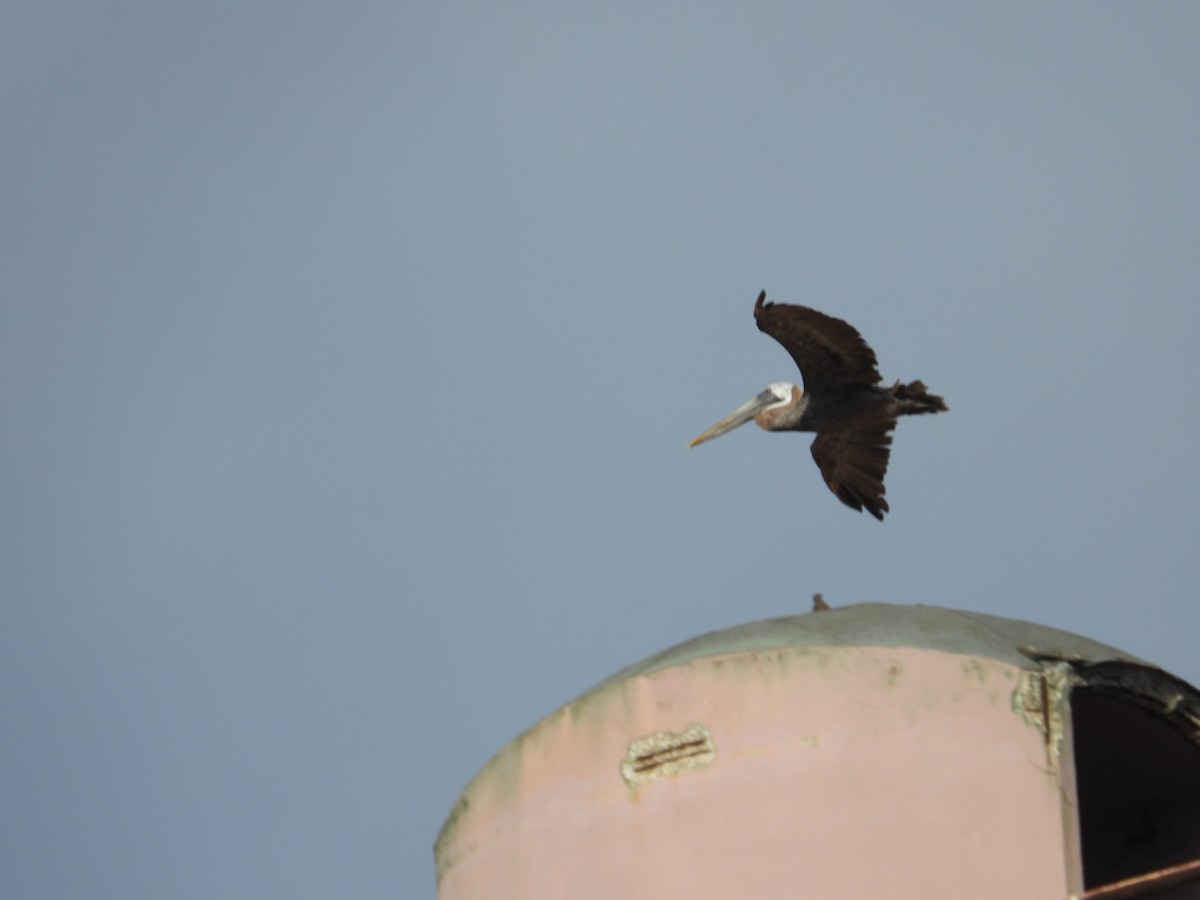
[[1145, 885]]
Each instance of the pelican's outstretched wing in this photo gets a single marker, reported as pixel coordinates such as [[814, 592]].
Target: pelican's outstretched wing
[[829, 352], [853, 464]]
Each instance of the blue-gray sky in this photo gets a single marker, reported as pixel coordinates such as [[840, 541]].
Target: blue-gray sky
[[350, 353]]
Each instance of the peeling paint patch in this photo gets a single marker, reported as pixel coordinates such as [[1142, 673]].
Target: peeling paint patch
[[667, 753], [1041, 698]]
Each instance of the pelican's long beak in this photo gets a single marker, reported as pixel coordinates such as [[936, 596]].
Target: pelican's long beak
[[739, 416]]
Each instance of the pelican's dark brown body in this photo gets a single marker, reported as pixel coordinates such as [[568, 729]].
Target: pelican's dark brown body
[[860, 406]]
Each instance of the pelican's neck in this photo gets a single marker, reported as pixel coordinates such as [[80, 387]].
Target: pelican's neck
[[786, 412]]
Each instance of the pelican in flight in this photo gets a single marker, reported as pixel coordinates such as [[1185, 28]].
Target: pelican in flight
[[842, 401]]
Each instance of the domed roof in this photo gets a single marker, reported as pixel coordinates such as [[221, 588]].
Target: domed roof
[[884, 625]]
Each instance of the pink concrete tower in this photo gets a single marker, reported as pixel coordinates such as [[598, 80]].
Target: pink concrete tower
[[872, 751]]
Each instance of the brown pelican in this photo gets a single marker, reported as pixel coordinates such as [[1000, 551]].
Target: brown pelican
[[842, 401]]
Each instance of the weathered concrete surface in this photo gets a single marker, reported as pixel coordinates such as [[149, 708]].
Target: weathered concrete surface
[[864, 752]]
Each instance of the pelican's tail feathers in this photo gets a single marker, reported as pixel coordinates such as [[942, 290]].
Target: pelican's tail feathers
[[915, 399]]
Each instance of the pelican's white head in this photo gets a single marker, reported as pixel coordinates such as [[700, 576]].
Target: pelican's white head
[[783, 392]]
